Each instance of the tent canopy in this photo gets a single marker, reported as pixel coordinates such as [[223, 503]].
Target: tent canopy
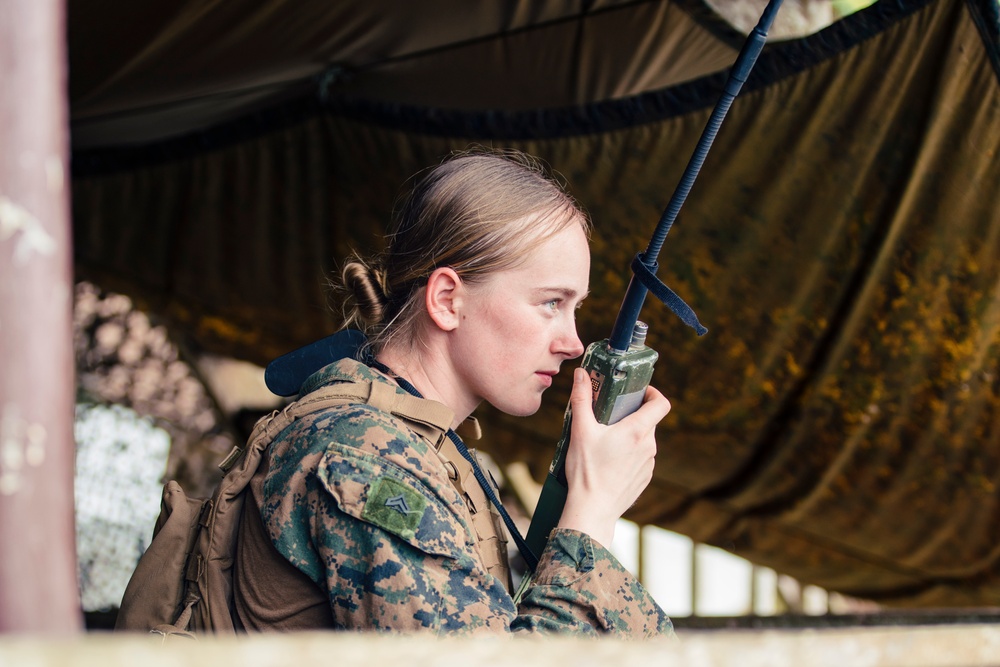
[[837, 423], [183, 67]]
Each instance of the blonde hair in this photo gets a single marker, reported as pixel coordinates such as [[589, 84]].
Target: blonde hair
[[478, 213]]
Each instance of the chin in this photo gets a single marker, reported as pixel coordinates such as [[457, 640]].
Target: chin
[[522, 409]]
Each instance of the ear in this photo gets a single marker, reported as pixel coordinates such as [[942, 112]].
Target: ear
[[443, 297]]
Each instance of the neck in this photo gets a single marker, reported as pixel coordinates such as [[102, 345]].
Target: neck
[[433, 377]]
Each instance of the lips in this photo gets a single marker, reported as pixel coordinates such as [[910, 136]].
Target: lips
[[546, 377]]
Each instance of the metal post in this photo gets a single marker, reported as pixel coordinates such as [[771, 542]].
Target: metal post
[[38, 585]]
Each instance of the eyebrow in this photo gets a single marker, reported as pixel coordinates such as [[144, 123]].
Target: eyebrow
[[565, 292]]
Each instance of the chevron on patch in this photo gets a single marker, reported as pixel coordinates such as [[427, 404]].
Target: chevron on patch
[[398, 503]]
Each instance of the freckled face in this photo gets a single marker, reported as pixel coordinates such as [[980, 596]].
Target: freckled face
[[518, 326]]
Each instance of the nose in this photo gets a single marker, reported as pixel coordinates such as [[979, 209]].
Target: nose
[[569, 343]]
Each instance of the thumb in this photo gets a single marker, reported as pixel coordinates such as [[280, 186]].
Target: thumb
[[582, 397]]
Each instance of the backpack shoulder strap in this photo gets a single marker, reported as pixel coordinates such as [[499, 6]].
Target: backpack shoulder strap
[[429, 418], [268, 427]]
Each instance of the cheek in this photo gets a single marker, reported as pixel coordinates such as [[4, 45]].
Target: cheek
[[500, 315], [515, 329]]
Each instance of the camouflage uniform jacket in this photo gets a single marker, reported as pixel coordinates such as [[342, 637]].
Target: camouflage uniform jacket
[[360, 501]]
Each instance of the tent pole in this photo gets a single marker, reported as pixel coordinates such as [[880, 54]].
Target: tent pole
[[38, 584]]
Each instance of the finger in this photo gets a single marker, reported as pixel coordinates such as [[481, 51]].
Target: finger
[[582, 397], [654, 408]]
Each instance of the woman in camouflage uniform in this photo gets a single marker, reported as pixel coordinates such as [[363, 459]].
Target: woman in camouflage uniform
[[369, 515]]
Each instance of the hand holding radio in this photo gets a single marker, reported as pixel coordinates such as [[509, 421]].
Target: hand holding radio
[[607, 466]]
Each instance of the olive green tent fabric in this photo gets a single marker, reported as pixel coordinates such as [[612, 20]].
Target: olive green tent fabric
[[154, 69], [839, 422]]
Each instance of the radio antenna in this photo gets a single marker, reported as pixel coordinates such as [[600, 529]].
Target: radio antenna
[[644, 266]]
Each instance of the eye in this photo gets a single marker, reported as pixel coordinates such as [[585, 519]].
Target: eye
[[553, 304]]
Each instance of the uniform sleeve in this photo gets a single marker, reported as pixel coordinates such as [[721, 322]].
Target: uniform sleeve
[[580, 587], [395, 553]]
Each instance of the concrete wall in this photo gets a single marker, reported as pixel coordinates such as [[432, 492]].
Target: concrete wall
[[914, 646]]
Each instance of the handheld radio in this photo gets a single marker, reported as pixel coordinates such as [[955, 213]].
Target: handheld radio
[[621, 366]]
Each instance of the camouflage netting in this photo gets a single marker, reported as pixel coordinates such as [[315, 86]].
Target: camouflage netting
[[120, 461], [125, 359]]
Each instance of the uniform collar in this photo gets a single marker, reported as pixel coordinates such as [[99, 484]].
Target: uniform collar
[[436, 416]]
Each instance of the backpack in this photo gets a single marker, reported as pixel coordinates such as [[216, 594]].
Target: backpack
[[183, 583]]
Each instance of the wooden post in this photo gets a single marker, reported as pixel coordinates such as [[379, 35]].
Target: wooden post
[[38, 585]]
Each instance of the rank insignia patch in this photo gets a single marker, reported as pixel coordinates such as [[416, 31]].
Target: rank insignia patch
[[394, 506]]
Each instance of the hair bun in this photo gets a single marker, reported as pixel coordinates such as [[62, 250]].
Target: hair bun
[[365, 285]]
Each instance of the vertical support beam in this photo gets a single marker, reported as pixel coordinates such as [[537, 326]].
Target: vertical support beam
[[640, 573], [38, 585], [694, 578]]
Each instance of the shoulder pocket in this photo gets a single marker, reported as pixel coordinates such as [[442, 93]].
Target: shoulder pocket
[[385, 495]]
